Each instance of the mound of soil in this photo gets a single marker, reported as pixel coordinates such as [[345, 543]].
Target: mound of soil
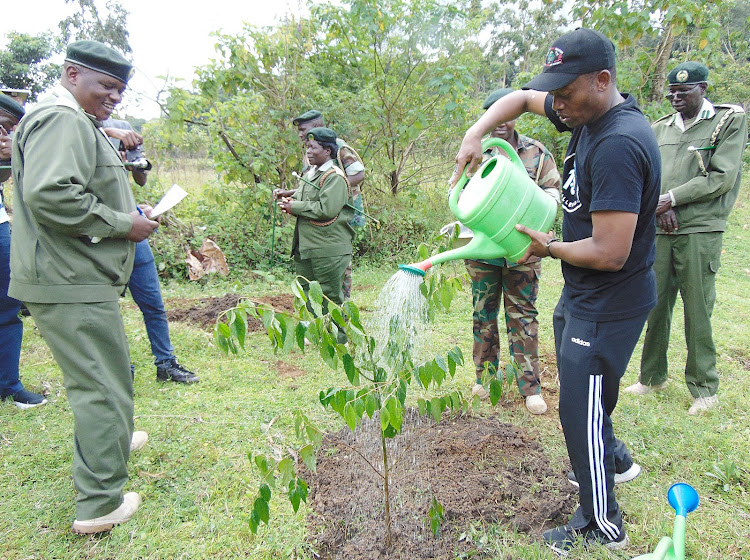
[[478, 468], [203, 312]]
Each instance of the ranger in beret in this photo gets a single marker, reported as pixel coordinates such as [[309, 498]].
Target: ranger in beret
[[76, 225], [322, 246], [11, 327], [347, 159], [701, 146], [515, 285]]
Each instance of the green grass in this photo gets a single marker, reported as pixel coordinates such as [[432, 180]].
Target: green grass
[[197, 483]]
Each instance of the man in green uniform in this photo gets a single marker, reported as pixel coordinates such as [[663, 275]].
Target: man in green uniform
[[701, 147], [72, 252], [348, 160], [322, 246], [517, 284]]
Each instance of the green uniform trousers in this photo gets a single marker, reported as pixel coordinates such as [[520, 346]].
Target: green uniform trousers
[[688, 264], [89, 344], [328, 272]]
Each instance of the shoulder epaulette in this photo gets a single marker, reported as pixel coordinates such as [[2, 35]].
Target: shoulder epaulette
[[669, 116], [734, 108], [65, 102]]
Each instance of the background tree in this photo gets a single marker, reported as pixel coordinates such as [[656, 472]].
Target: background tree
[[87, 22], [24, 63]]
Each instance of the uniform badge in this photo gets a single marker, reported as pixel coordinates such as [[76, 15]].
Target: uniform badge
[[682, 76], [554, 57], [131, 73]]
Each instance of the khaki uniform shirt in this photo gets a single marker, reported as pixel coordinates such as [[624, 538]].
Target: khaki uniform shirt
[[322, 228], [702, 200], [72, 202]]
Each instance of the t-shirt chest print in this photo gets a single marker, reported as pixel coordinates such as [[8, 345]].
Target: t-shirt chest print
[[570, 199]]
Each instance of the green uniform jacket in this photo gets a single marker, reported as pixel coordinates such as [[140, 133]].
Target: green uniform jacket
[[71, 208], [316, 207], [702, 201]]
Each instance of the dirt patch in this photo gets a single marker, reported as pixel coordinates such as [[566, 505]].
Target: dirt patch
[[288, 371], [480, 469], [203, 312]]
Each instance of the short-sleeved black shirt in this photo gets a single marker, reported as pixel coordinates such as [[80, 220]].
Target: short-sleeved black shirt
[[611, 164]]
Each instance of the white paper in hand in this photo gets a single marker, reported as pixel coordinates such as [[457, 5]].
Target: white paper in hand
[[173, 197]]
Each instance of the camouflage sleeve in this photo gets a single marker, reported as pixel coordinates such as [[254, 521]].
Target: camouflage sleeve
[[548, 177]]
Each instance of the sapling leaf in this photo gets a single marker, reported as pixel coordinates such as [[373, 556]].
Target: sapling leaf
[[510, 373], [286, 472], [313, 433], [350, 417], [300, 335], [265, 491], [385, 418], [436, 408], [253, 522], [260, 506], [307, 454], [349, 368], [422, 406], [395, 413], [338, 317], [297, 290], [496, 391], [316, 297], [294, 497], [359, 407], [371, 404], [262, 464]]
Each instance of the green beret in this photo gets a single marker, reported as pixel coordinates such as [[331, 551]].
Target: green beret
[[322, 134], [100, 57], [495, 95], [307, 116], [688, 73], [8, 105]]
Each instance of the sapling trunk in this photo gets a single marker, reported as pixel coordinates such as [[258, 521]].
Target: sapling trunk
[[387, 495]]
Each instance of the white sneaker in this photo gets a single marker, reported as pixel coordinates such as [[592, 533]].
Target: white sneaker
[[701, 404], [641, 389], [138, 440], [130, 503], [536, 404], [480, 391]]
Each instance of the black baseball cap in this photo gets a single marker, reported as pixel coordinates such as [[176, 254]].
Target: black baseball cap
[[574, 54]]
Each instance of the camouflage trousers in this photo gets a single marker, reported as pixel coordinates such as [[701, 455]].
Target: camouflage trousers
[[346, 286], [519, 286], [357, 221]]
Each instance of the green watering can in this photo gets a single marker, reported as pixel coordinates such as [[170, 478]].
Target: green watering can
[[497, 197], [684, 499]]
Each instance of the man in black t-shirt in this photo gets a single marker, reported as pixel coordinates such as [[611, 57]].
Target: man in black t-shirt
[[611, 185]]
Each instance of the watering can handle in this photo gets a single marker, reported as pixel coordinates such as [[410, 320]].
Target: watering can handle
[[487, 143]]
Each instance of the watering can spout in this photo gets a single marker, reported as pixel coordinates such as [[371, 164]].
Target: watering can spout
[[481, 247], [684, 499]]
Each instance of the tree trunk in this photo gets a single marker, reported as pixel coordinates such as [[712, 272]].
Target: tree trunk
[[659, 75]]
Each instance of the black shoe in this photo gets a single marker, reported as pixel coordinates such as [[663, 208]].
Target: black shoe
[[26, 399], [175, 372], [627, 476], [564, 538]]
